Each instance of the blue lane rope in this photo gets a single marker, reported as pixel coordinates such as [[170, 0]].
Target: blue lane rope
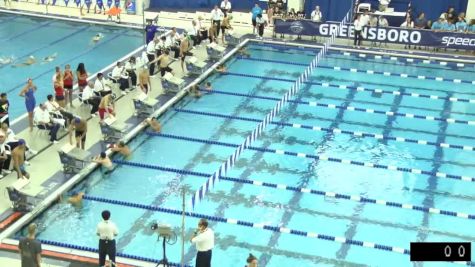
[[375, 56], [352, 108], [95, 250], [356, 198], [321, 157], [371, 72], [334, 130], [253, 225], [396, 93], [229, 163]]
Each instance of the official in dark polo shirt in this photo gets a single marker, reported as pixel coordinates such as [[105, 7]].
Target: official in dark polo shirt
[[30, 249]]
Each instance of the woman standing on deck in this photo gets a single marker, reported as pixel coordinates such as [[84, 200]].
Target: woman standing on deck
[[28, 92], [68, 81], [59, 91], [81, 73]]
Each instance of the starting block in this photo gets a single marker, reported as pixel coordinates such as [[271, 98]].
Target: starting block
[[195, 66], [73, 158], [171, 83], [144, 105], [215, 51], [112, 131], [231, 39]]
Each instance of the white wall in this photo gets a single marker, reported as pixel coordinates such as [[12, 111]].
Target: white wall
[[471, 9], [295, 4]]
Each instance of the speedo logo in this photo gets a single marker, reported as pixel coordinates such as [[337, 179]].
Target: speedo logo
[[448, 40]]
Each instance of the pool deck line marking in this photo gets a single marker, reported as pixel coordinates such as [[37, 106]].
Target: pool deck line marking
[[323, 158], [353, 108], [356, 198], [252, 225], [335, 130], [13, 217], [72, 257], [400, 58], [371, 72]]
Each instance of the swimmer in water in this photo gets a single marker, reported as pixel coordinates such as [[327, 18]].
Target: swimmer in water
[[121, 148], [76, 198], [6, 60], [154, 124], [30, 61], [50, 58], [97, 37], [105, 162]]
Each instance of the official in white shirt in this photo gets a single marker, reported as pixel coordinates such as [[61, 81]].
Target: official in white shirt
[[99, 87], [316, 14], [43, 119], [120, 75], [203, 238], [383, 4], [225, 6], [89, 97], [216, 17], [151, 54], [131, 67], [365, 18], [107, 232]]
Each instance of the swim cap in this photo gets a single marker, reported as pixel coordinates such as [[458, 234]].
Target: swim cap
[[21, 142], [77, 120]]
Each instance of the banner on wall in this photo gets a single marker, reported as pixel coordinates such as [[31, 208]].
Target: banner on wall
[[418, 37], [131, 7]]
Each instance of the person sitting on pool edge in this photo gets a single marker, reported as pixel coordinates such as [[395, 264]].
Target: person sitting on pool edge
[[154, 124], [105, 162], [121, 148]]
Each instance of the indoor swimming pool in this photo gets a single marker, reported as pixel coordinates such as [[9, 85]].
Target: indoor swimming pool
[[71, 42], [367, 152]]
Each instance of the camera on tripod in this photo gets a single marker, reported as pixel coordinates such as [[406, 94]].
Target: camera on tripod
[[165, 232]]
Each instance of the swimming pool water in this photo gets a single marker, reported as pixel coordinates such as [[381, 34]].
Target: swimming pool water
[[24, 36], [282, 208]]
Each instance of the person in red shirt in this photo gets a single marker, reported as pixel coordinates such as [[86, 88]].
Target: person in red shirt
[[59, 91], [81, 73], [68, 81]]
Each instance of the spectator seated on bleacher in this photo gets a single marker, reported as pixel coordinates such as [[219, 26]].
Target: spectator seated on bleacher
[[119, 75], [461, 25], [44, 121]]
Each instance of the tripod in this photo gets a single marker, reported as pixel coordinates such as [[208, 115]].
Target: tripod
[[163, 262]]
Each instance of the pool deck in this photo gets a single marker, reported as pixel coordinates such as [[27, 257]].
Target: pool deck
[[46, 180]]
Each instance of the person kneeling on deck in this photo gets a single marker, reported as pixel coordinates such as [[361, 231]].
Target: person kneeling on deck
[[18, 155], [80, 129], [105, 162], [106, 106], [119, 74]]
